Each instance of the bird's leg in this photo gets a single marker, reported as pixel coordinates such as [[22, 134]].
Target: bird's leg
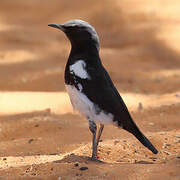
[[99, 134], [93, 128]]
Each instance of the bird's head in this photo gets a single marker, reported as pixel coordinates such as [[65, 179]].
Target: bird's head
[[80, 33]]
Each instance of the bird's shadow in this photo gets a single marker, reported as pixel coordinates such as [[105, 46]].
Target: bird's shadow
[[72, 158]]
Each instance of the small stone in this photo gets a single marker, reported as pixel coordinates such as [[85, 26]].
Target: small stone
[[30, 141], [140, 107], [37, 125], [135, 151], [177, 136], [116, 142], [4, 159], [83, 168], [59, 178], [76, 164]]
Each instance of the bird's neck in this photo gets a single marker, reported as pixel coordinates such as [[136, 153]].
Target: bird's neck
[[83, 51]]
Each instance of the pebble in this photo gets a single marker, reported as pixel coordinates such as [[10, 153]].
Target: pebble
[[83, 168], [140, 107], [116, 142], [135, 151], [76, 164], [30, 141], [151, 123]]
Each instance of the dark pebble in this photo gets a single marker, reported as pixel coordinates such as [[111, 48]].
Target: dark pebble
[[76, 164], [116, 142], [30, 141], [83, 168], [4, 159]]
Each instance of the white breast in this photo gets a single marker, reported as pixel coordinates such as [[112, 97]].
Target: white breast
[[81, 103]]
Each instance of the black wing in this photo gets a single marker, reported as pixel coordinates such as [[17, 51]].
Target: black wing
[[101, 90]]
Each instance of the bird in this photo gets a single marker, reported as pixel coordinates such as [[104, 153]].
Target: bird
[[90, 88]]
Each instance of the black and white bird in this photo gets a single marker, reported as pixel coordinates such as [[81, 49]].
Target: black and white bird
[[90, 87]]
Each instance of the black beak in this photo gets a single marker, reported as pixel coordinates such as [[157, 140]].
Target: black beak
[[58, 26]]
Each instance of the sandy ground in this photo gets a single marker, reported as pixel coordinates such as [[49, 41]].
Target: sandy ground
[[40, 135]]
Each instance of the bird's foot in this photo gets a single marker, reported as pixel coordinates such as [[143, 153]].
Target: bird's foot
[[95, 158]]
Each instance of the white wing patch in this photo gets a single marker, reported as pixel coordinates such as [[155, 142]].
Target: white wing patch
[[78, 68]]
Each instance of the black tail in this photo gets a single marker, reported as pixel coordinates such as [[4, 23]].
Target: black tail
[[139, 135], [132, 128]]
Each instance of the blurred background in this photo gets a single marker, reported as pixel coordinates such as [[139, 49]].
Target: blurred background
[[139, 47], [139, 43]]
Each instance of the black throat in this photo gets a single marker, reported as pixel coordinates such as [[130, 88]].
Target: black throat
[[86, 50]]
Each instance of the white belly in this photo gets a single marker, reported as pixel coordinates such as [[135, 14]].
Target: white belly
[[81, 103]]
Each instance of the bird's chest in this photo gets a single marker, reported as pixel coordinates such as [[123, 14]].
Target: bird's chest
[[80, 101]]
